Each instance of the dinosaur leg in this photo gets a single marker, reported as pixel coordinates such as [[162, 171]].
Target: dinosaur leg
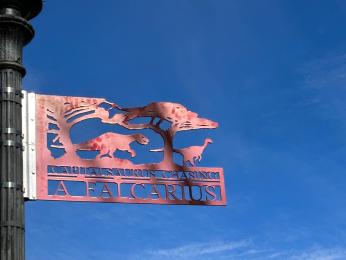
[[189, 161], [194, 159], [112, 155], [132, 152], [104, 152]]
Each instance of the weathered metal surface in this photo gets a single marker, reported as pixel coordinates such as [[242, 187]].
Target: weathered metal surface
[[107, 178]]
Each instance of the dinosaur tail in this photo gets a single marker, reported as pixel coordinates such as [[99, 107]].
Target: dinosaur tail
[[112, 105], [85, 146], [178, 151], [130, 109]]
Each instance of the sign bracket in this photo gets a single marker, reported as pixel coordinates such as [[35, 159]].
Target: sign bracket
[[29, 143]]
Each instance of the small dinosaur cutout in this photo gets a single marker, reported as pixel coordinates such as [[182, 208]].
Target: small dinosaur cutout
[[190, 154]]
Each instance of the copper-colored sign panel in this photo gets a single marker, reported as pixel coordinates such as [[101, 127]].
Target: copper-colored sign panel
[[68, 176]]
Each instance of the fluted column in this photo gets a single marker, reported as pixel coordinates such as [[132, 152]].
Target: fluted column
[[15, 33]]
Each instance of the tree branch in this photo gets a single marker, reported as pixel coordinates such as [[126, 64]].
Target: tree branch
[[80, 119], [53, 131], [149, 125], [134, 126], [76, 112], [52, 119], [76, 109]]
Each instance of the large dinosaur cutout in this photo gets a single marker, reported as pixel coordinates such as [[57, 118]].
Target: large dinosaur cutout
[[109, 143]]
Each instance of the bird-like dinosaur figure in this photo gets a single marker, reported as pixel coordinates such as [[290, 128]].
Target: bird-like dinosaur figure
[[190, 154]]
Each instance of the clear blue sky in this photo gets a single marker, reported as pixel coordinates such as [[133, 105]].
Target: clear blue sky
[[272, 73]]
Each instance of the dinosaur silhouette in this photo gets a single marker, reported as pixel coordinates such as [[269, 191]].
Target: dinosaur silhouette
[[190, 154], [108, 143]]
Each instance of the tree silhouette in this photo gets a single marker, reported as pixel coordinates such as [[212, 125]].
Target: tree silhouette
[[74, 110], [61, 118], [179, 117]]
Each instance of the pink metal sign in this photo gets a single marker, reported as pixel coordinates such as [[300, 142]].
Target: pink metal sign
[[63, 174]]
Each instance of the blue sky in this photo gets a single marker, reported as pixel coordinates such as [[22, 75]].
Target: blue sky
[[272, 73]]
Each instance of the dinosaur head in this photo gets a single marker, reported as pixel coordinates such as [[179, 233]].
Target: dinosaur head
[[141, 139]]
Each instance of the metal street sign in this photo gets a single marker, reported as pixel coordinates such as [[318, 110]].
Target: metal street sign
[[57, 168]]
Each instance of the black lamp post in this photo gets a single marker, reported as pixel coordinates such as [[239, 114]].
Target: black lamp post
[[15, 33]]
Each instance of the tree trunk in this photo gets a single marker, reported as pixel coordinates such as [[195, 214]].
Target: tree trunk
[[168, 148], [64, 136]]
